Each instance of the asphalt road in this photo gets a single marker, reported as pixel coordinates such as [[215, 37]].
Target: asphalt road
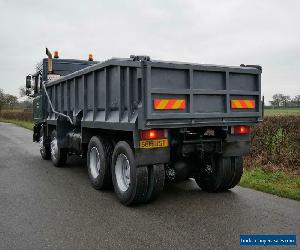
[[43, 207]]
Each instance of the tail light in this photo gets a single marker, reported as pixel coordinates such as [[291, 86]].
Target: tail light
[[240, 130], [153, 134]]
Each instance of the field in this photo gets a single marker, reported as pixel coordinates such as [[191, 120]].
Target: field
[[282, 112]]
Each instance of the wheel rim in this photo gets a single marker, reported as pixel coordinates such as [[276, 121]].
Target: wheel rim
[[94, 162], [42, 147], [122, 172], [54, 148]]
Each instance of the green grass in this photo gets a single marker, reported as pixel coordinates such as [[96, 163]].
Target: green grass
[[277, 183], [282, 111], [23, 124]]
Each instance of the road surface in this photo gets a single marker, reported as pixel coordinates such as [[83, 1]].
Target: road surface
[[43, 207]]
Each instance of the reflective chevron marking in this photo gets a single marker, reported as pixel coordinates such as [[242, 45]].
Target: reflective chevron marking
[[242, 104], [169, 104]]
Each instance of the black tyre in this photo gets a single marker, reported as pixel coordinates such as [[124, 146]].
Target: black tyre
[[98, 163], [58, 155], [220, 174], [156, 181], [130, 181], [237, 164], [44, 148]]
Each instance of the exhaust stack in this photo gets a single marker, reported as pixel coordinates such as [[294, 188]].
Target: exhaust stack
[[50, 68]]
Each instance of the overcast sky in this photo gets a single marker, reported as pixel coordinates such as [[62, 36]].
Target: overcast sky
[[227, 32]]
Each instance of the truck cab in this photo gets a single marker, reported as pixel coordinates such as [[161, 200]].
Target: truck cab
[[58, 68]]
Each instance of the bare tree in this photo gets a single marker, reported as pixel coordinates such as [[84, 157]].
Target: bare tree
[[277, 100], [7, 100], [285, 100], [10, 100], [296, 100]]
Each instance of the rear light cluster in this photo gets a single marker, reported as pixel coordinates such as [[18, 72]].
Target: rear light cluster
[[240, 130], [154, 134]]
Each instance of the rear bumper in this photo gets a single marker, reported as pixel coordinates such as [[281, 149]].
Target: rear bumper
[[205, 122]]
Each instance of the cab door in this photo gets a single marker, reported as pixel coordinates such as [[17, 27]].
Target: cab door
[[37, 102]]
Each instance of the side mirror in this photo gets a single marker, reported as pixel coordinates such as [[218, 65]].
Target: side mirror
[[28, 82]]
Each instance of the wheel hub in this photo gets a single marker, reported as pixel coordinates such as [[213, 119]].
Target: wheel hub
[[41, 142], [122, 171], [94, 162], [54, 148]]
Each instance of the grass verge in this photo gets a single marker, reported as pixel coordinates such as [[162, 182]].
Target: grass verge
[[277, 183], [23, 124]]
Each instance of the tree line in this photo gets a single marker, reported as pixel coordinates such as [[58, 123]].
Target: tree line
[[8, 101], [281, 100]]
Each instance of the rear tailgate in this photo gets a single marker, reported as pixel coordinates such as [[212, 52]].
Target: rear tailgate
[[178, 94]]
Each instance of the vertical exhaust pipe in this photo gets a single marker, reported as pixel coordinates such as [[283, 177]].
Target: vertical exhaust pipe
[[50, 67]]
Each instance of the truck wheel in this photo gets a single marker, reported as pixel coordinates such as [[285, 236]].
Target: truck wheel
[[98, 162], [44, 149], [156, 181], [220, 175], [237, 164], [58, 155], [130, 181]]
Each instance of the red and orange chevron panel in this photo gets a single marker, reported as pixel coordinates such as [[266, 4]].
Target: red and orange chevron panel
[[242, 104], [169, 104]]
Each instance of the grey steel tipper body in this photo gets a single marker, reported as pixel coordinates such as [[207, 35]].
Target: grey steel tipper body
[[141, 123]]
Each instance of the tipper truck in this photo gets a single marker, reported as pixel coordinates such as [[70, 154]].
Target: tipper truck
[[140, 123]]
